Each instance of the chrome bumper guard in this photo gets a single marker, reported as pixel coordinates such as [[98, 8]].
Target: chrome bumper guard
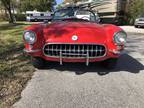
[[86, 56]]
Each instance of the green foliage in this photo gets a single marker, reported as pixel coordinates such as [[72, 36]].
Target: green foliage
[[59, 6], [7, 4], [3, 17], [11, 43], [135, 10], [15, 68], [20, 17], [24, 5], [11, 36], [39, 5]]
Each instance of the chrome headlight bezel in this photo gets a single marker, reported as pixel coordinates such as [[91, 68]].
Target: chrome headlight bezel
[[120, 37], [29, 37]]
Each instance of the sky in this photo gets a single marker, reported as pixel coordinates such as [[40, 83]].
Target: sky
[[59, 1]]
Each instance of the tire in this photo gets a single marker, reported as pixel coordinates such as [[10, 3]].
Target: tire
[[35, 20], [110, 63], [136, 26], [38, 63]]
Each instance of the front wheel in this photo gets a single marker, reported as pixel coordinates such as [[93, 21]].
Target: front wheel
[[136, 26], [38, 63], [110, 63]]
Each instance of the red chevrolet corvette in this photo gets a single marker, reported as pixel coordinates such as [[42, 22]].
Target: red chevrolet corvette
[[74, 36]]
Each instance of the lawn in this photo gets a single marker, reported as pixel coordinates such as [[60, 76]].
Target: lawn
[[15, 68]]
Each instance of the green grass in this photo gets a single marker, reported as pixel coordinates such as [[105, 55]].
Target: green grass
[[15, 68], [11, 36]]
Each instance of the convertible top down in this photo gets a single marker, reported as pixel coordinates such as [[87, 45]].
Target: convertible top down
[[74, 36]]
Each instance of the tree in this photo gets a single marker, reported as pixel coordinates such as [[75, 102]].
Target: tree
[[26, 5], [136, 8], [40, 5], [8, 6]]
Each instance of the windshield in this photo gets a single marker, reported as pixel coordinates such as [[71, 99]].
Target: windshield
[[74, 13], [63, 13]]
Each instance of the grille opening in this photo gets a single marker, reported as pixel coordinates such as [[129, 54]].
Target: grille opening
[[74, 50]]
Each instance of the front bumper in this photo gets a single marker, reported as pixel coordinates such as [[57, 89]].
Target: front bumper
[[31, 51], [139, 23], [61, 59]]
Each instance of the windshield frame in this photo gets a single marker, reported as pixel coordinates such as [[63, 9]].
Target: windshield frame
[[75, 10]]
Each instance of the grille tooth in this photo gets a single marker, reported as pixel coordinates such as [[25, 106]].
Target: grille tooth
[[96, 51], [83, 49], [57, 50], [100, 51], [75, 50]]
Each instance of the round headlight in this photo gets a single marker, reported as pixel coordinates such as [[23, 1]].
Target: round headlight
[[120, 38], [137, 20], [29, 37]]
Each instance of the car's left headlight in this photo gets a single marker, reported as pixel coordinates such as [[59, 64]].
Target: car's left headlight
[[137, 20], [120, 38], [29, 37]]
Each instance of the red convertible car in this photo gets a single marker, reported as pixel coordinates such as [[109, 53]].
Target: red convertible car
[[74, 36]]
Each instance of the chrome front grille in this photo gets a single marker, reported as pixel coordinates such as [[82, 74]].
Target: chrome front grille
[[74, 50]]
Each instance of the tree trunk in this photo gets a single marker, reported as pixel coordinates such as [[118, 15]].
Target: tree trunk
[[11, 18], [7, 5]]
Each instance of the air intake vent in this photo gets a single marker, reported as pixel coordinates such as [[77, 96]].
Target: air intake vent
[[74, 50]]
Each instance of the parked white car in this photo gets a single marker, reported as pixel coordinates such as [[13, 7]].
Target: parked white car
[[38, 16], [139, 22]]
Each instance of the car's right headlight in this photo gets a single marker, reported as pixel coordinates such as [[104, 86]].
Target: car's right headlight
[[120, 38], [29, 37]]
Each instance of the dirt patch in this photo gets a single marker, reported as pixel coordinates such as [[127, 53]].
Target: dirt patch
[[15, 71]]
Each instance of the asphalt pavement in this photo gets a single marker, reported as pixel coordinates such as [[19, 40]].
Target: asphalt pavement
[[74, 85]]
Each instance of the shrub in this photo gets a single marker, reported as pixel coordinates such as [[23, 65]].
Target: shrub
[[3, 17], [20, 17], [136, 8]]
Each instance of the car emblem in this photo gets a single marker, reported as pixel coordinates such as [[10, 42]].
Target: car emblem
[[74, 37]]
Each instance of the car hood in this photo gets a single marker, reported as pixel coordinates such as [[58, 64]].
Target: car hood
[[62, 32]]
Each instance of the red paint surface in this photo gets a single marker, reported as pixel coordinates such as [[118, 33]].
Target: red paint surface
[[62, 32]]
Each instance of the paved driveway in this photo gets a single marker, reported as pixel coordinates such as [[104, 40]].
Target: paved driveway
[[78, 86]]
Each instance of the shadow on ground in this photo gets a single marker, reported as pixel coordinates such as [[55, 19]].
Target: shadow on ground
[[126, 63]]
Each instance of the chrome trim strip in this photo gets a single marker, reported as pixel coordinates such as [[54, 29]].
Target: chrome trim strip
[[117, 52], [31, 51], [61, 57], [76, 57], [115, 35], [87, 58], [76, 44]]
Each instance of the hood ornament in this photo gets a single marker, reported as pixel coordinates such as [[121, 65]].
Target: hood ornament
[[74, 37]]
